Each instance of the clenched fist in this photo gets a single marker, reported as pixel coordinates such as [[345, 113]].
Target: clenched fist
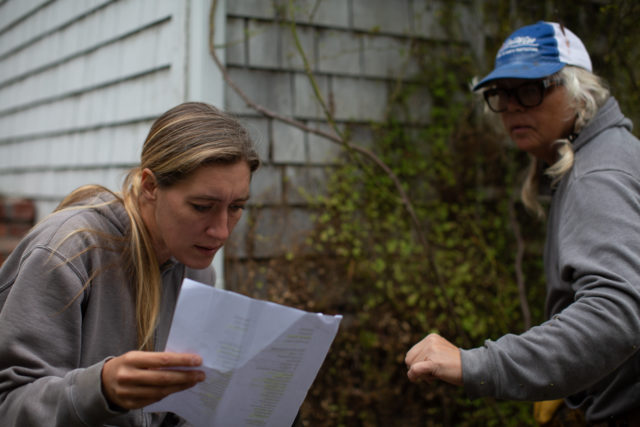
[[434, 358]]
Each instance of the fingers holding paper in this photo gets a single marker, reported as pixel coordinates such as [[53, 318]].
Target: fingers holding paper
[[139, 378], [434, 358]]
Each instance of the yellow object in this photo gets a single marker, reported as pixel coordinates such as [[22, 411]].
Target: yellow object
[[543, 411]]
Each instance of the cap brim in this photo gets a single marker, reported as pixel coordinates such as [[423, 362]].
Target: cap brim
[[521, 70]]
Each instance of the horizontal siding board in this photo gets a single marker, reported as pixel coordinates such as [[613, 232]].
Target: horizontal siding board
[[92, 148], [306, 103], [339, 52], [146, 96], [46, 19], [80, 83], [136, 55], [264, 44], [270, 89], [15, 11], [75, 106], [441, 20], [253, 8], [388, 57], [55, 184], [359, 99], [382, 16], [326, 13], [235, 51], [291, 56], [118, 21], [333, 13]]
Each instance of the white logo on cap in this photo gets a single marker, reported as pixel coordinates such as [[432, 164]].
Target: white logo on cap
[[518, 44]]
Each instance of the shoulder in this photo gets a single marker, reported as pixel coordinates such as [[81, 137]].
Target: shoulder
[[613, 149], [607, 144], [96, 217], [74, 232], [603, 186], [71, 243]]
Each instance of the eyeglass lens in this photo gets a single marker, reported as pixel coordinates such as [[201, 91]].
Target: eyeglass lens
[[528, 95]]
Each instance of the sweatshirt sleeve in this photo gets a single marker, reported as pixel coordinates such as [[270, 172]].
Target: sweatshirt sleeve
[[599, 260], [41, 378]]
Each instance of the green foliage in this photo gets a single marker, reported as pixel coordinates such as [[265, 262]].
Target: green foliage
[[389, 294], [364, 259]]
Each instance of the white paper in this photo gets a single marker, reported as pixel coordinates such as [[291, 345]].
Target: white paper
[[260, 358]]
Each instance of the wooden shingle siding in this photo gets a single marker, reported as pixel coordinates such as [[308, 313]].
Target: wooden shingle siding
[[357, 51]]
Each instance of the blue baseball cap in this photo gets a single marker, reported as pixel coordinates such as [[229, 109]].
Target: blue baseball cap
[[537, 51]]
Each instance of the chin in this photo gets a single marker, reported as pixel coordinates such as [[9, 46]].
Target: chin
[[199, 264], [197, 259], [526, 146]]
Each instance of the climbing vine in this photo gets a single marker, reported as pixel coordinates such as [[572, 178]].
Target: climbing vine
[[363, 259]]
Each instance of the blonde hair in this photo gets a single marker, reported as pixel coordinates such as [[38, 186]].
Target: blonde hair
[[586, 93], [179, 142]]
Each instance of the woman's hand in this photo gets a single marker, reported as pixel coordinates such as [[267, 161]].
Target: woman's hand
[[434, 358], [139, 378]]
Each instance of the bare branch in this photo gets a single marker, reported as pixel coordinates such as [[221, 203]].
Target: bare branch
[[312, 79]]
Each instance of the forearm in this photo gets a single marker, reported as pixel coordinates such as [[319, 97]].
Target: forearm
[[556, 359], [74, 399]]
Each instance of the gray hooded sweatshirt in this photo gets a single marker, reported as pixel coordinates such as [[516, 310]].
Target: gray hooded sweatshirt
[[55, 336], [588, 351]]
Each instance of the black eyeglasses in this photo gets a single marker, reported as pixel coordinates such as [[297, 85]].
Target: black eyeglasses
[[528, 94]]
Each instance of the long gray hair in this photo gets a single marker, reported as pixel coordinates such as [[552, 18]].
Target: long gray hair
[[586, 93]]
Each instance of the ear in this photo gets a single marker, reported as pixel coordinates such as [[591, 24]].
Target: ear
[[148, 185]]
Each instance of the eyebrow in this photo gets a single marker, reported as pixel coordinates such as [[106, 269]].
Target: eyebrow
[[217, 199]]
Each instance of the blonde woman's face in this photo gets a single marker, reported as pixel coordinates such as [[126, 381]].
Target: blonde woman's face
[[193, 218]]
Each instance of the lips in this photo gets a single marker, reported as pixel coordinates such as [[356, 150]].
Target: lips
[[516, 126], [519, 128], [208, 250]]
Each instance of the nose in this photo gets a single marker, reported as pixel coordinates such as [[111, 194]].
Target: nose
[[512, 103], [218, 225]]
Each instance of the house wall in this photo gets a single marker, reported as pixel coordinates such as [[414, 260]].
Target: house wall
[[82, 80], [80, 83], [357, 50]]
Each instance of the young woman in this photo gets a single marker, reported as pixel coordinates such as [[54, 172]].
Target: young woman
[[554, 108], [87, 297]]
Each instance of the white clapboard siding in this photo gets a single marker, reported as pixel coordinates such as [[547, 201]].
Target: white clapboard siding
[[15, 11], [81, 82], [136, 55], [81, 149], [42, 18]]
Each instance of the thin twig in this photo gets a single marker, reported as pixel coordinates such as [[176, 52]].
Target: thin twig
[[312, 80]]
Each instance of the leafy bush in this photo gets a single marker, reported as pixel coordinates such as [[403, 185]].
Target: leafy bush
[[365, 259]]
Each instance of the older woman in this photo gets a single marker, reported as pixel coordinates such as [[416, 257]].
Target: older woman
[[554, 108], [89, 294]]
